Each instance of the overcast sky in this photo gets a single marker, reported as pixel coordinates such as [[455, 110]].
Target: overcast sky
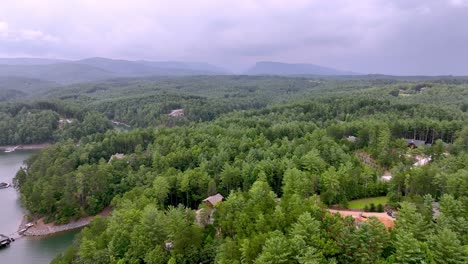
[[368, 36]]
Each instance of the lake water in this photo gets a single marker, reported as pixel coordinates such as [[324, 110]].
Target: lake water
[[24, 250]]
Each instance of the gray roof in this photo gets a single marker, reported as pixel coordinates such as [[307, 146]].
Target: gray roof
[[417, 143]]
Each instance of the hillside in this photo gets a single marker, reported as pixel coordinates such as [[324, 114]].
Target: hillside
[[64, 73], [27, 85], [97, 69], [279, 165], [125, 68], [280, 68], [30, 61], [20, 88]]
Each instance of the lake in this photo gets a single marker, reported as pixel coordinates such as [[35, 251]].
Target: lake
[[26, 249]]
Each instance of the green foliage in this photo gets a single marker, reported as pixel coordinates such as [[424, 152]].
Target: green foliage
[[408, 250], [446, 248], [278, 164]]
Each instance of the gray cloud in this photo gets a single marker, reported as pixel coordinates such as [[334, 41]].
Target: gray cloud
[[395, 37]]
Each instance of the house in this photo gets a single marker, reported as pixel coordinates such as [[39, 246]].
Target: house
[[63, 121], [177, 113], [351, 139], [213, 200], [116, 156], [386, 178], [204, 216], [413, 143], [421, 161]]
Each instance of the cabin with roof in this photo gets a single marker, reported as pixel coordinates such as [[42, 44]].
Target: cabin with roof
[[116, 156], [213, 200], [177, 113], [413, 143], [421, 161], [351, 139]]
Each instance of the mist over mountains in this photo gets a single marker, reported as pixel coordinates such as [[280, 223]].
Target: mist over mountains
[[279, 68], [96, 69]]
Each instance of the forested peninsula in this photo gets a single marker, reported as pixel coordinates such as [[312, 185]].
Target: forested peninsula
[[281, 151]]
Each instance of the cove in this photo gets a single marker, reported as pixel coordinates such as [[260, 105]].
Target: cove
[[26, 249]]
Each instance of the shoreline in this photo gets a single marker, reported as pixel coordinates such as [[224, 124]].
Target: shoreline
[[27, 146], [42, 229]]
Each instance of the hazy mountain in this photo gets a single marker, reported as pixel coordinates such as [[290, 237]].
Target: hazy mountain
[[119, 67], [279, 68], [26, 85], [20, 87], [29, 61], [148, 68], [63, 73], [201, 67], [96, 69]]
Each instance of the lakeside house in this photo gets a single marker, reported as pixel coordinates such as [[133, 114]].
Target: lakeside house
[[63, 121], [414, 143], [421, 161], [177, 113], [213, 200], [204, 216], [116, 156], [386, 177]]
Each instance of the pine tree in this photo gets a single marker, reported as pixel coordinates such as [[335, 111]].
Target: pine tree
[[408, 249], [411, 221], [446, 248], [276, 250]]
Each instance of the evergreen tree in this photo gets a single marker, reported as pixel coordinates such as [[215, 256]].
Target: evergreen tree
[[446, 248], [408, 250]]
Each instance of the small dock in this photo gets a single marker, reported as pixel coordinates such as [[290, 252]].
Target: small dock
[[5, 241], [11, 149]]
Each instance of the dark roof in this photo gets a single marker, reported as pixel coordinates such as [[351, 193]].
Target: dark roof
[[415, 142]]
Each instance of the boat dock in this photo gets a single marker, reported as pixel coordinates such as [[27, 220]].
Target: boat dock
[[11, 149], [5, 241]]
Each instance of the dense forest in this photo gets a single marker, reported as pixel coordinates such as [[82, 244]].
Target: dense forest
[[280, 150]]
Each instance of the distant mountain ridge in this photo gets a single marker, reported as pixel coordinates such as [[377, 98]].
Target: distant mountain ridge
[[98, 69], [29, 61], [280, 68]]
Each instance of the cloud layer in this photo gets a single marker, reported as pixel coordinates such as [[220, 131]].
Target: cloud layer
[[370, 36]]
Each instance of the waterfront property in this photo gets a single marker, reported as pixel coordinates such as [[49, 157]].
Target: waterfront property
[[177, 113]]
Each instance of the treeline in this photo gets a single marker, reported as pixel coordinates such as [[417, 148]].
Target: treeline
[[279, 167], [147, 103], [139, 103], [254, 227], [33, 125], [219, 156], [28, 127]]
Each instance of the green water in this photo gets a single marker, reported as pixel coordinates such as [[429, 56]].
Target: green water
[[24, 250]]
